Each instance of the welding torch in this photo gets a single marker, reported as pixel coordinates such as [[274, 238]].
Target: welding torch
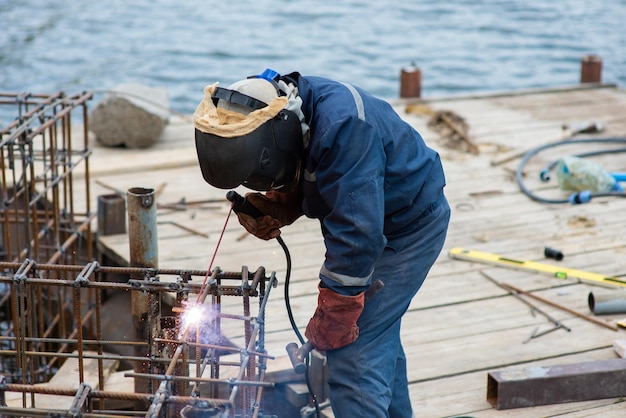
[[242, 205], [298, 355]]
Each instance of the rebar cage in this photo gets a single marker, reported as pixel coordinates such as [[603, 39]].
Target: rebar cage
[[66, 326], [185, 368], [39, 218]]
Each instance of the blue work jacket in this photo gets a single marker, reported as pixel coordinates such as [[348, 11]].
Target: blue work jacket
[[368, 176]]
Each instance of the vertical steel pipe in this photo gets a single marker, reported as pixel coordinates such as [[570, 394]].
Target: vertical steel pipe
[[142, 237], [142, 230]]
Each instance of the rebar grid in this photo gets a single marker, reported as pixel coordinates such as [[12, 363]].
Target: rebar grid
[[53, 302], [39, 218], [189, 369]]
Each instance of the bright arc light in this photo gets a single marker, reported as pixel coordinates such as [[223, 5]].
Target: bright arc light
[[193, 315]]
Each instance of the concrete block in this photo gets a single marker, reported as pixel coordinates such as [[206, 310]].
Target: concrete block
[[130, 115]]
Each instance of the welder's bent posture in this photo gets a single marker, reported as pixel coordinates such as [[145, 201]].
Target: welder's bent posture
[[331, 151]]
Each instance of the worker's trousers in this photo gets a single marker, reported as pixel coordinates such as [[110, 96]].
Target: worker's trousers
[[368, 378]]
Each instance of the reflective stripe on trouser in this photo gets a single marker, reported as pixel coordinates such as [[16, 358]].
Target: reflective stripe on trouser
[[368, 378]]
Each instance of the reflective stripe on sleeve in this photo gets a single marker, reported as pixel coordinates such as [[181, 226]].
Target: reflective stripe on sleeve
[[344, 279]]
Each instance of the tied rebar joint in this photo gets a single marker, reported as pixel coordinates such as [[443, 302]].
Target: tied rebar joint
[[83, 277], [184, 276], [244, 354], [159, 398], [20, 274], [82, 395]]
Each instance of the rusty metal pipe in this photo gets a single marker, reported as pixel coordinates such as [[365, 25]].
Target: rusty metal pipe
[[142, 235]]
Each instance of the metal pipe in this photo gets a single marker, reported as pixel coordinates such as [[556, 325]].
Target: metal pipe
[[142, 230], [607, 303], [142, 236]]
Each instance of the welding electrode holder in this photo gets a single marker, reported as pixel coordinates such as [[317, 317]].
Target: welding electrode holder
[[241, 204], [299, 355]]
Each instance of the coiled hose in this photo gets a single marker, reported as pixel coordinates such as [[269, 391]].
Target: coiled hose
[[575, 198]]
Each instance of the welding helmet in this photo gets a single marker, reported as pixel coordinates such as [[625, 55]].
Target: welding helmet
[[252, 134]]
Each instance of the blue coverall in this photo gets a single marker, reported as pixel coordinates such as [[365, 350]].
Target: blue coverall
[[377, 190]]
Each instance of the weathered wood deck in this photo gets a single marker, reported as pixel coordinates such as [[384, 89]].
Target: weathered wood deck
[[461, 325]]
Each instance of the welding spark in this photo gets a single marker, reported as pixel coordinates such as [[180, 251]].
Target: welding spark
[[194, 316]]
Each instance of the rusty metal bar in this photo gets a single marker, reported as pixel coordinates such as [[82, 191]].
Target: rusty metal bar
[[532, 386], [563, 308], [226, 290], [227, 382], [144, 272], [98, 394]]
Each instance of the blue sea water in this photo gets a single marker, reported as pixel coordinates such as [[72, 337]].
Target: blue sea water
[[461, 46]]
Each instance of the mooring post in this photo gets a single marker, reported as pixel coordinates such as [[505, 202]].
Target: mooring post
[[142, 237], [411, 82], [591, 69]]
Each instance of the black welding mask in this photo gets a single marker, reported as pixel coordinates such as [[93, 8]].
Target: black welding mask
[[252, 134]]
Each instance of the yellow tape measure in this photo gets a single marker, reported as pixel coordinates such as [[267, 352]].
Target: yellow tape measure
[[555, 271]]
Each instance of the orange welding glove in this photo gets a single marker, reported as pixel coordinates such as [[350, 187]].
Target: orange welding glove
[[334, 323], [280, 209]]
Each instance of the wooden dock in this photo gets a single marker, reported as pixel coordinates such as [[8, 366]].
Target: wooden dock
[[461, 325]]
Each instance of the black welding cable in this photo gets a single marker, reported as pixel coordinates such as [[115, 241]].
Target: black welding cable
[[307, 379], [287, 301], [241, 205], [576, 198]]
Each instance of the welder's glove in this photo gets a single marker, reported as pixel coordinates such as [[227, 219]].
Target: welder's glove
[[334, 323], [280, 209]]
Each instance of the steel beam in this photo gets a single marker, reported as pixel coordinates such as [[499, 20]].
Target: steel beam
[[519, 388]]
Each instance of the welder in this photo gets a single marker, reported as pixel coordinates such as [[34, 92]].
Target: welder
[[329, 150]]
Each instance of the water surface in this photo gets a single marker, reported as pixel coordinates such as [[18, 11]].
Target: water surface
[[462, 46]]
